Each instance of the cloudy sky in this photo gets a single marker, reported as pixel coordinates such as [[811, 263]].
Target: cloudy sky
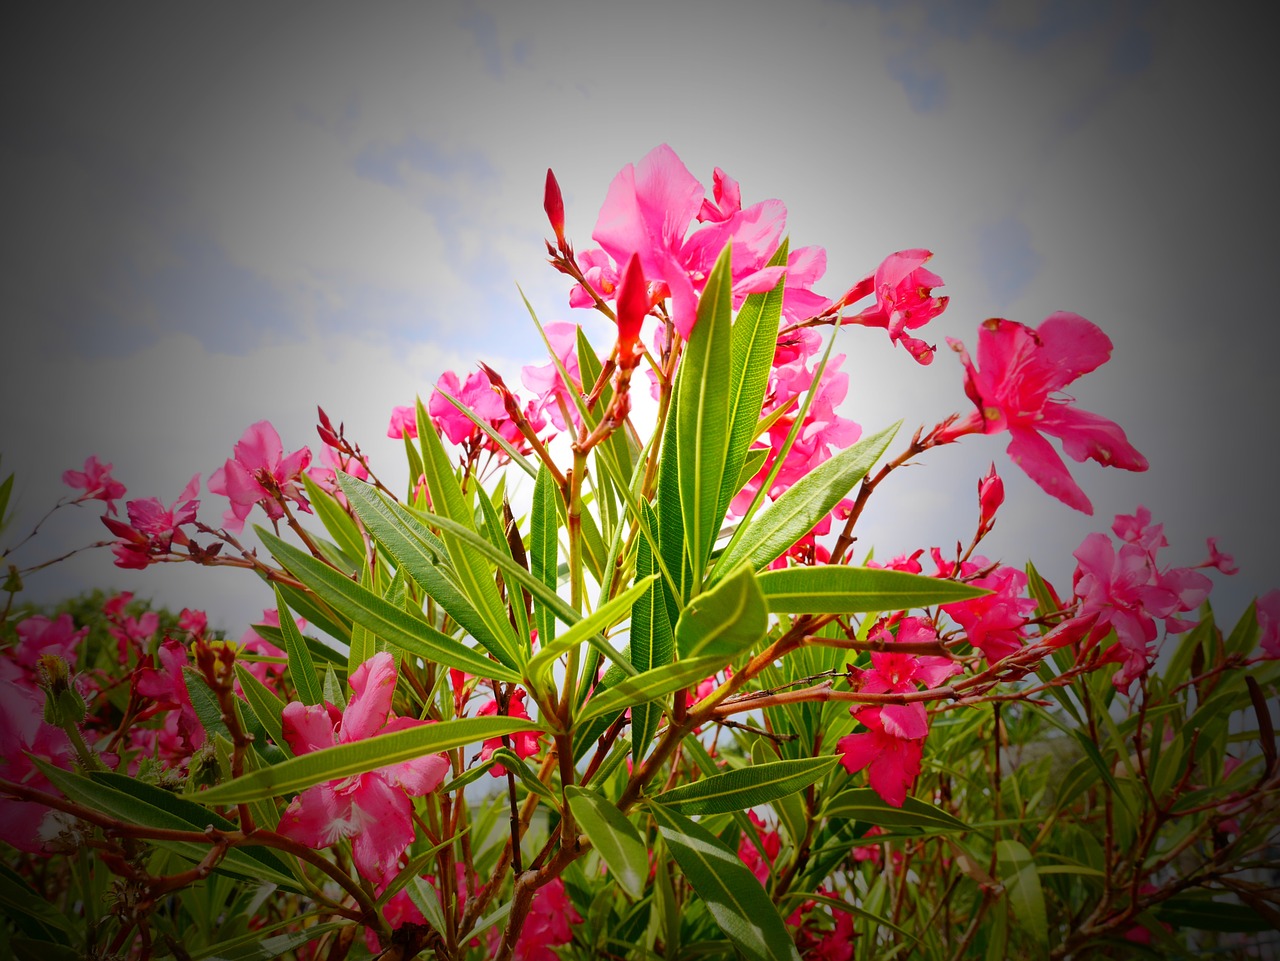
[[220, 214]]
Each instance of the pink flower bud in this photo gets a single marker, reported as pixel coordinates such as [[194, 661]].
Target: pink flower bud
[[990, 496], [633, 305], [553, 204]]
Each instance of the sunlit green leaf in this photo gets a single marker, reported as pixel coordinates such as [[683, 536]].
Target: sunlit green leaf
[[648, 685], [726, 620], [614, 837], [745, 787], [837, 589]]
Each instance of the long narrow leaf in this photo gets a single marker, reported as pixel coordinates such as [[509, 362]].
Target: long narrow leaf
[[614, 837], [652, 642], [302, 670], [837, 589], [745, 787], [595, 622], [726, 620]]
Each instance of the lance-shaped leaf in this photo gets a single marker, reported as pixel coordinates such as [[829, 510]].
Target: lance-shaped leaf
[[783, 522], [753, 343], [650, 685], [1022, 885], [266, 705], [731, 892], [302, 670], [651, 639], [836, 589], [726, 620], [599, 619], [474, 575], [336, 521], [544, 547], [136, 802], [394, 625], [745, 787], [263, 946], [702, 416], [864, 804], [614, 837], [359, 757]]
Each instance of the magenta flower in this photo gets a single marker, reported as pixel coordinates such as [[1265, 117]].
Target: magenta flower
[[995, 623], [896, 672], [990, 497], [553, 395], [757, 861], [96, 482], [904, 300], [166, 686], [1016, 389], [404, 423], [1268, 608], [153, 529], [37, 636], [892, 762], [372, 809], [24, 733], [524, 743], [260, 473]]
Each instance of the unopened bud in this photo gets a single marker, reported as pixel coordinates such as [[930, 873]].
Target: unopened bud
[[63, 704], [553, 204], [633, 306], [990, 497]]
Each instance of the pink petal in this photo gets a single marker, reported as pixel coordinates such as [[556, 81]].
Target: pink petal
[[307, 728], [374, 682], [1042, 464], [387, 817]]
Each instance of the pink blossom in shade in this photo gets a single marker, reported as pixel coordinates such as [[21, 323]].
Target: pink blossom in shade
[[260, 473], [903, 290], [1268, 612], [759, 860], [24, 733], [896, 672], [547, 926], [892, 763], [404, 423], [1128, 592], [1016, 387], [372, 809], [524, 743], [1225, 563], [96, 482], [995, 623], [805, 267], [153, 529], [165, 687], [193, 622], [38, 635], [544, 380]]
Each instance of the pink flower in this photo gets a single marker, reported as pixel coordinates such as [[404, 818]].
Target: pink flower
[[995, 623], [96, 482], [756, 860], [1128, 592], [251, 642], [892, 763], [524, 743], [896, 672], [37, 636], [404, 423], [1016, 389], [24, 733], [372, 809], [153, 529], [553, 395], [904, 301], [260, 473], [546, 927], [326, 477], [182, 733]]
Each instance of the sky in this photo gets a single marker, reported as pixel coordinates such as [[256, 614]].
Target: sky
[[222, 214]]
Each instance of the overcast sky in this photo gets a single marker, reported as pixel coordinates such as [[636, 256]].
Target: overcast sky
[[223, 213]]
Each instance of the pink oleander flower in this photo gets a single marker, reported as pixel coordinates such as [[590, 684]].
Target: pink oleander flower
[[1016, 388], [547, 926], [995, 623], [404, 423], [25, 733], [260, 473], [757, 861], [1268, 609], [892, 763], [96, 482], [181, 734], [903, 289], [477, 393], [553, 204], [648, 211], [1128, 592], [326, 477], [132, 634], [153, 529], [896, 672], [372, 809], [553, 395], [524, 743], [37, 636]]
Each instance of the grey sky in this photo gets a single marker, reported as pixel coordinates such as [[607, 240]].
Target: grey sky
[[219, 215]]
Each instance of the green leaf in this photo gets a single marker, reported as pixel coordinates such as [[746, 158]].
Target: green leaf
[[780, 524], [651, 639], [1202, 912], [702, 416], [614, 837], [731, 893], [837, 589], [29, 911], [1022, 885], [745, 787], [137, 802], [268, 708], [359, 757], [649, 685], [398, 627], [474, 575], [752, 345], [302, 670], [726, 620], [255, 947], [516, 457], [336, 521], [544, 547], [595, 622], [864, 804]]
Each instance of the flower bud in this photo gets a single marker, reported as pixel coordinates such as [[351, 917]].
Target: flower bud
[[633, 305], [553, 204], [62, 704], [990, 497]]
